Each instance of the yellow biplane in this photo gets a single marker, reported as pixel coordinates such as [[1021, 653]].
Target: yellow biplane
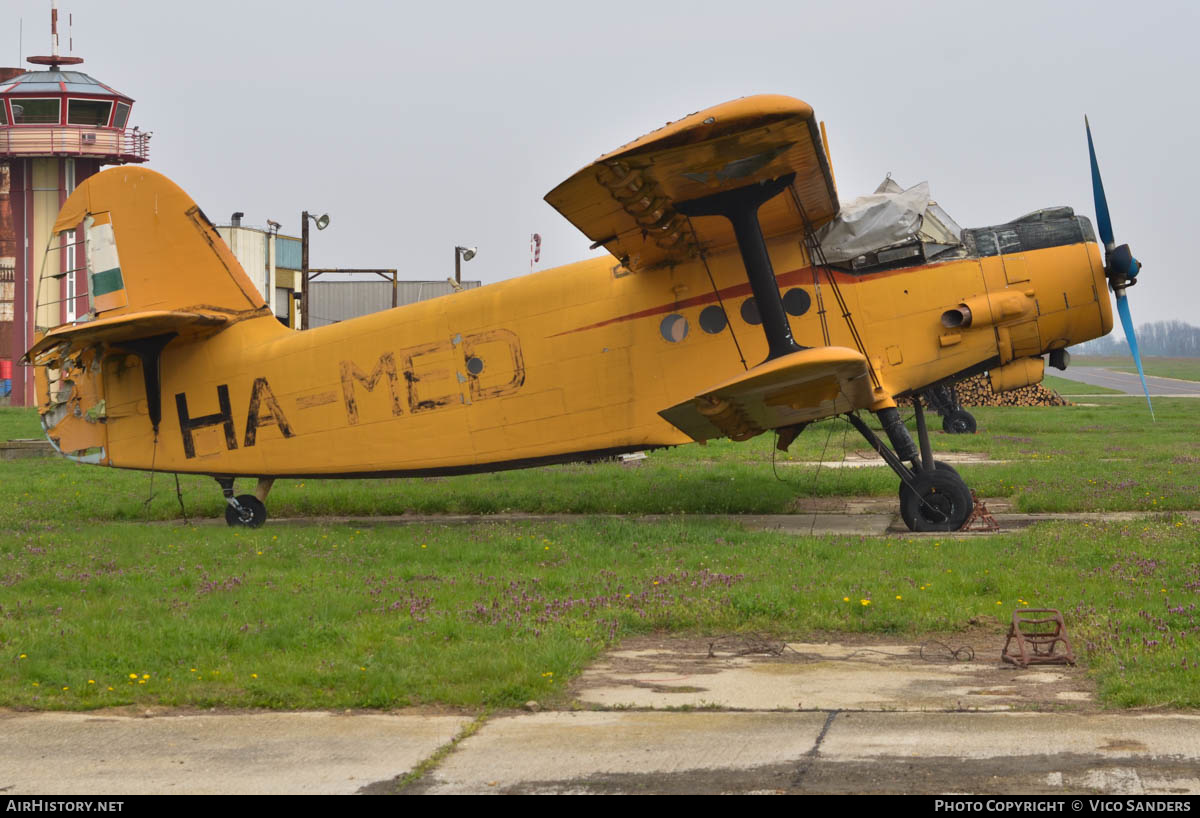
[[731, 305]]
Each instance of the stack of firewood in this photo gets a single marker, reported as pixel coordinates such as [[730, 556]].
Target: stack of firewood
[[977, 391]]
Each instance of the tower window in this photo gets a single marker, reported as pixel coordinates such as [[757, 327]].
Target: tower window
[[92, 112], [37, 111]]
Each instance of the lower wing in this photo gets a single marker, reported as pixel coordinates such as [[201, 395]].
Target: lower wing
[[804, 386]]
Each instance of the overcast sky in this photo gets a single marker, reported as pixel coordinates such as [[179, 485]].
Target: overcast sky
[[419, 126]]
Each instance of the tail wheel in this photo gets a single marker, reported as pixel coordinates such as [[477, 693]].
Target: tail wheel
[[938, 500], [252, 513], [959, 422]]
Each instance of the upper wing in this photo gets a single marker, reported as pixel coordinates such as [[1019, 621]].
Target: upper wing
[[796, 388], [625, 199]]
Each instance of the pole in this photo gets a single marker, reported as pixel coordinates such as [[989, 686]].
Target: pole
[[457, 266], [304, 270]]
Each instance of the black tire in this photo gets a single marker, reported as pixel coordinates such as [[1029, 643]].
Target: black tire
[[253, 513], [938, 464], [959, 422], [938, 501]]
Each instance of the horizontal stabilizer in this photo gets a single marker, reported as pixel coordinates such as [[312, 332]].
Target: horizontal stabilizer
[[803, 386], [62, 340]]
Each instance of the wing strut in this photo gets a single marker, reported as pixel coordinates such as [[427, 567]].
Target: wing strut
[[740, 206], [816, 257]]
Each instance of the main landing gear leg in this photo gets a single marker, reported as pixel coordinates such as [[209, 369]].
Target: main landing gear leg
[[245, 509], [955, 419], [932, 495]]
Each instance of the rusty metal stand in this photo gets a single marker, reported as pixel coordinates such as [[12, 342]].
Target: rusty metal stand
[[1036, 643], [980, 518]]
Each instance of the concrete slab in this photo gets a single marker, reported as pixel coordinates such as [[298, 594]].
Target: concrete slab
[[808, 676], [240, 753], [864, 736], [1130, 383], [713, 752], [870, 458], [563, 752]]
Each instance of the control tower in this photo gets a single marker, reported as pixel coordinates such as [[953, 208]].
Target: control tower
[[58, 126]]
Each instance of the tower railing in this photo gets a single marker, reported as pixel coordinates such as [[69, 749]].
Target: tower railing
[[60, 140]]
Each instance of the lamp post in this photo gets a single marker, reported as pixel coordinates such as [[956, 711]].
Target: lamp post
[[321, 223], [462, 254]]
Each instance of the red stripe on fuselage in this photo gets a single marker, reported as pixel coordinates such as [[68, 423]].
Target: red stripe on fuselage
[[796, 277]]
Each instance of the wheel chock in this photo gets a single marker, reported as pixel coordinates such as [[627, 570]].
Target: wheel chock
[[1037, 638]]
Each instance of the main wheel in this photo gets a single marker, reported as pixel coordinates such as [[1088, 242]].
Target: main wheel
[[938, 464], [938, 500], [959, 422], [251, 515]]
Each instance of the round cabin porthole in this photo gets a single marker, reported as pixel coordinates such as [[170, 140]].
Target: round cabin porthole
[[713, 320], [474, 365], [674, 328], [796, 301], [750, 312]]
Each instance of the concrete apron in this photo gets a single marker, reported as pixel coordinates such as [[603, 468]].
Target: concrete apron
[[689, 716], [744, 716]]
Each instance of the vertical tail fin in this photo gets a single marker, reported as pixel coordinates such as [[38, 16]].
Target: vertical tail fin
[[155, 270], [149, 247]]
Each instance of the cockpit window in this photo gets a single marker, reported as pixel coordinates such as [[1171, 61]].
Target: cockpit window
[[892, 227]]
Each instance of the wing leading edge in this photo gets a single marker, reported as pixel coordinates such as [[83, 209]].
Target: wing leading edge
[[796, 388], [626, 200]]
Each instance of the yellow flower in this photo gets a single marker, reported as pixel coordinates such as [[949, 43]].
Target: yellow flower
[[845, 599], [145, 675], [864, 602], [132, 675], [22, 655], [253, 675], [899, 597], [91, 681]]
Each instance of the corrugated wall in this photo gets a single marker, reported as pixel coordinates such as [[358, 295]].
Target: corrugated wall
[[334, 301], [250, 248], [287, 253]]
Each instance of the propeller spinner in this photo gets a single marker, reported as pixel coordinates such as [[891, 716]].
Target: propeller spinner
[[1120, 267]]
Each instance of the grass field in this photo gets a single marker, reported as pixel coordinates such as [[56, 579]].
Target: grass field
[[99, 609], [1186, 369]]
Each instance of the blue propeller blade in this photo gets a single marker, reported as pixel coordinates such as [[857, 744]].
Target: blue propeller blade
[[1103, 222], [1131, 337]]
